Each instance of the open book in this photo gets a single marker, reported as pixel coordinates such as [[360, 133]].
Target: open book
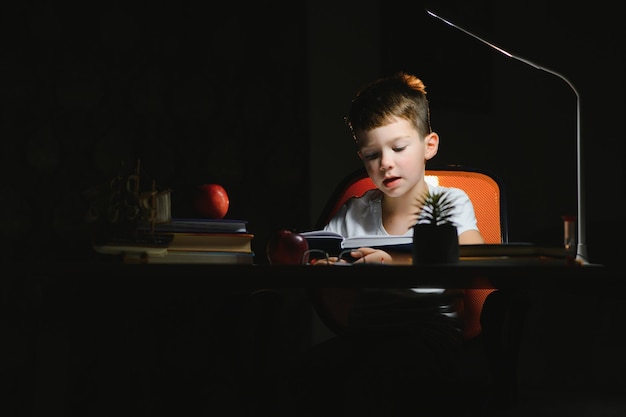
[[333, 243]]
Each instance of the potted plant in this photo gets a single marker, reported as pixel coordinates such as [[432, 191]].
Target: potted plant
[[435, 238]]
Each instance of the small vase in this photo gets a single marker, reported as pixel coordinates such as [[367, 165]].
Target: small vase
[[435, 244]]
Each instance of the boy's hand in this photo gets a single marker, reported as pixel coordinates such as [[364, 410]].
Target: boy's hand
[[371, 256]]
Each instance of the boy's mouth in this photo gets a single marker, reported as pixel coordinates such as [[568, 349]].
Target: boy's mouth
[[389, 181]]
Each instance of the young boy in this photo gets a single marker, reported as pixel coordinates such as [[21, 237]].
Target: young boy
[[400, 349], [390, 123]]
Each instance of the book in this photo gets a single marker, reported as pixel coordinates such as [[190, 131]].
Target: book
[[129, 249], [191, 257], [140, 243], [333, 243], [216, 242], [198, 225]]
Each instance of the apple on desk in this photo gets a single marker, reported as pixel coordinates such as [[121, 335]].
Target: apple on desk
[[211, 201], [287, 247]]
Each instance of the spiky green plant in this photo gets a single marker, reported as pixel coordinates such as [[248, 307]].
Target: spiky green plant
[[435, 209]]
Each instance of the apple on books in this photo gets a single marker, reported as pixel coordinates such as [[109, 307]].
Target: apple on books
[[211, 201]]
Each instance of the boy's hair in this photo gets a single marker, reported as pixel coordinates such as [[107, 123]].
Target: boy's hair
[[401, 95]]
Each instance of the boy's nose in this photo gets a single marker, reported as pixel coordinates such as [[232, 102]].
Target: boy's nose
[[386, 164]]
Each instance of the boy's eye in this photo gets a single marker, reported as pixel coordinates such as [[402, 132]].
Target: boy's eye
[[400, 149], [370, 156]]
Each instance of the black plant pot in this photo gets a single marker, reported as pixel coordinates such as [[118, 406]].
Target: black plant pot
[[435, 244]]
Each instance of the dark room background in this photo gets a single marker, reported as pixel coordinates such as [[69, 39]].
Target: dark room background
[[254, 98], [88, 89]]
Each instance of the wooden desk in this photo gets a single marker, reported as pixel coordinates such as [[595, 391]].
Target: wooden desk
[[530, 274]]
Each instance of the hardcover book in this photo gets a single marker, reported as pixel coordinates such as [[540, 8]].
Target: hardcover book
[[137, 244], [198, 225], [333, 243], [191, 257], [217, 242], [129, 249]]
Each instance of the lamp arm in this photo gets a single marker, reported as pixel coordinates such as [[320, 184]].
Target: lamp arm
[[581, 247]]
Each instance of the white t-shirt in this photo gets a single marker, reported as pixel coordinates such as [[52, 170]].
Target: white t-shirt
[[362, 215]]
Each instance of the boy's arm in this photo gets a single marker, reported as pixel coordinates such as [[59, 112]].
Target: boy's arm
[[471, 237]]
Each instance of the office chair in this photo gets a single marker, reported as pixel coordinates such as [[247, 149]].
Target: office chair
[[493, 319]]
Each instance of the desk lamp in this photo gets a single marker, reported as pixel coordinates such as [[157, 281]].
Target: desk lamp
[[581, 248]]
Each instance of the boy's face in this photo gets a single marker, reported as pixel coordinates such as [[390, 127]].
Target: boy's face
[[395, 156]]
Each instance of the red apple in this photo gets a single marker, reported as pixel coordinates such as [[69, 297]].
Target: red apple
[[287, 247], [211, 201]]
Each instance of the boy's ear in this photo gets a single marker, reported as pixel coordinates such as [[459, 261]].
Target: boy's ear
[[431, 145]]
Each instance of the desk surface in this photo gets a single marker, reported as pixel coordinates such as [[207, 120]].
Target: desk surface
[[528, 274]]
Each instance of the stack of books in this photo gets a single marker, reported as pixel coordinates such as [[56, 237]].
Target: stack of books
[[188, 240], [211, 241]]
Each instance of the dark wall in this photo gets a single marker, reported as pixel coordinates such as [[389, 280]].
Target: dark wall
[[195, 95]]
